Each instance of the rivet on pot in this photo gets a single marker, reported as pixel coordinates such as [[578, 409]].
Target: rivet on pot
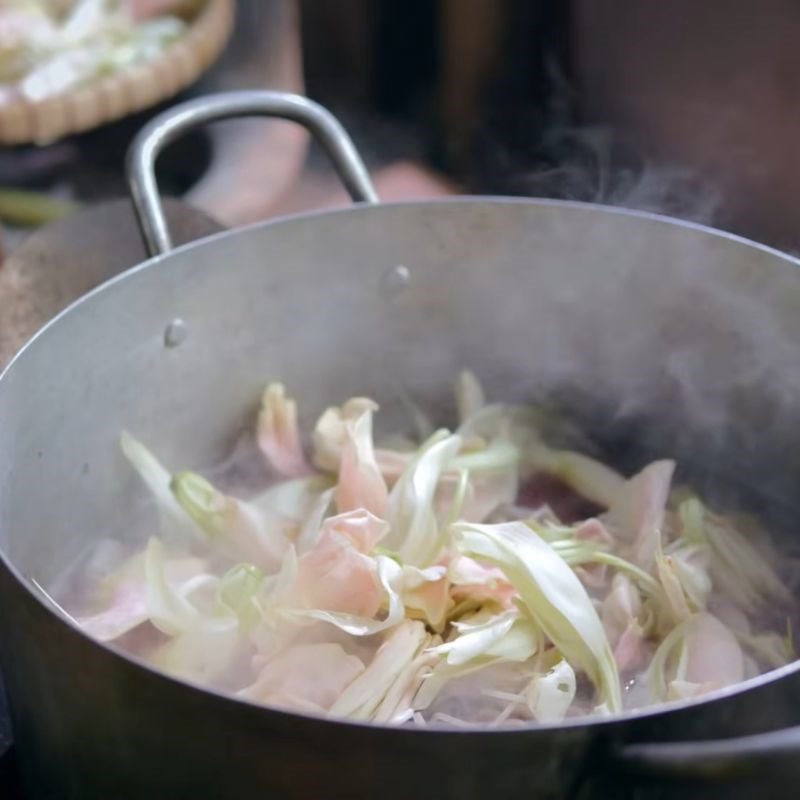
[[175, 333], [395, 281]]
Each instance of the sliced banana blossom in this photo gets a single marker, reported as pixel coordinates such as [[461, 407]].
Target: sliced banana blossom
[[743, 572], [172, 608], [549, 696], [476, 581], [552, 594], [292, 500], [122, 595], [469, 396], [337, 575], [479, 635], [241, 527], [305, 677], [459, 578], [205, 656], [621, 610], [362, 698], [632, 650], [414, 532], [691, 564], [278, 433], [427, 592], [588, 477], [621, 606], [483, 641], [593, 530], [397, 704], [330, 433], [176, 523], [637, 512], [698, 656], [239, 592], [127, 611], [685, 580], [360, 484], [769, 648]]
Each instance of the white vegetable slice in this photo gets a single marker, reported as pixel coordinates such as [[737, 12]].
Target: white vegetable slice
[[414, 533], [364, 695], [553, 595], [549, 696], [248, 530], [175, 522]]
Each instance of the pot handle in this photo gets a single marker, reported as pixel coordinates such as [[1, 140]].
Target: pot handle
[[744, 757], [179, 120]]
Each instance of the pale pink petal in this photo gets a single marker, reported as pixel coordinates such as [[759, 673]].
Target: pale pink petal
[[427, 591], [278, 433], [467, 571], [306, 677], [361, 527], [128, 610], [620, 607], [330, 432], [714, 654], [594, 576], [632, 651], [473, 580], [335, 575], [127, 607], [673, 589], [360, 483], [592, 530], [637, 513]]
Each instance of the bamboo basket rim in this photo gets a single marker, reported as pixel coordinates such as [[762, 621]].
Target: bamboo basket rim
[[125, 92]]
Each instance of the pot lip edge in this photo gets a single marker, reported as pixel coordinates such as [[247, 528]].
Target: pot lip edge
[[467, 201]]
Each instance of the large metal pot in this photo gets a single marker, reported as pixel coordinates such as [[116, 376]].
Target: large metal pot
[[682, 339]]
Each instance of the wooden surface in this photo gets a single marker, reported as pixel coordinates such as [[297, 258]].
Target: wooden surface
[[64, 260]]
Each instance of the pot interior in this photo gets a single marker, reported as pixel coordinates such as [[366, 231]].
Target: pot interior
[[660, 338]]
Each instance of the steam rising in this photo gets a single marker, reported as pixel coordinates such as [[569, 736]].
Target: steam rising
[[595, 164], [663, 345], [541, 148]]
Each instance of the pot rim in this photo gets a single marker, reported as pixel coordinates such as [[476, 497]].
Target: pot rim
[[576, 723]]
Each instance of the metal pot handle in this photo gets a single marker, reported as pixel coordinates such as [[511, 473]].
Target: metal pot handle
[[742, 757], [179, 120]]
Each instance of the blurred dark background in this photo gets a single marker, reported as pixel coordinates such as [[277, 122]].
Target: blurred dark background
[[690, 107]]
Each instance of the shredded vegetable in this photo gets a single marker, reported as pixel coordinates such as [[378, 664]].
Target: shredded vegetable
[[405, 581], [49, 46]]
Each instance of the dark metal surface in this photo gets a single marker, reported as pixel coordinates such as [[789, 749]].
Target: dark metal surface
[[5, 721]]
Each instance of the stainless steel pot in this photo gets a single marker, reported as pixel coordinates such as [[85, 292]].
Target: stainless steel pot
[[682, 339]]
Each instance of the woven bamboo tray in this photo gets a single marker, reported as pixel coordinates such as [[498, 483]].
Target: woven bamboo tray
[[125, 92]]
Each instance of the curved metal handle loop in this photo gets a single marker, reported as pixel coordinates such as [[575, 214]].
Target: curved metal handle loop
[[177, 121]]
